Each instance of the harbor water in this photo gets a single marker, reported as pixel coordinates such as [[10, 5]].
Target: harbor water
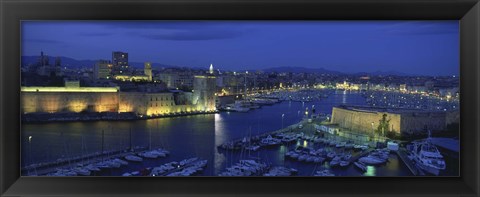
[[192, 136]]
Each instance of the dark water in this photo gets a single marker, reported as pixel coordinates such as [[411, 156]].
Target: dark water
[[190, 136]]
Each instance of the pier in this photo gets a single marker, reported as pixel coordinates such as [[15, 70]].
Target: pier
[[47, 167], [409, 163]]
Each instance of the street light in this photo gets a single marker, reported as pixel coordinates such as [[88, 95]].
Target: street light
[[282, 119]]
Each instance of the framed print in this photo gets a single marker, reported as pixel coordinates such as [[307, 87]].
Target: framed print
[[239, 98]]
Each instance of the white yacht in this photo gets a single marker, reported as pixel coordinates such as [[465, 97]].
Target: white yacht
[[133, 158], [428, 157], [371, 160]]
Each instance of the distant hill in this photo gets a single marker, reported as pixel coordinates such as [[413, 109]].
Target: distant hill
[[383, 73], [73, 63], [301, 70], [66, 61]]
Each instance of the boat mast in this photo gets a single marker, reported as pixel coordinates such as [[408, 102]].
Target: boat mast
[[131, 148], [103, 136]]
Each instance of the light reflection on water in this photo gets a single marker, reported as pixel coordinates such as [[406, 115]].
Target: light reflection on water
[[190, 136], [370, 171]]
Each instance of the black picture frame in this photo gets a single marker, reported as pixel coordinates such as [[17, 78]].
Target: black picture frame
[[13, 11]]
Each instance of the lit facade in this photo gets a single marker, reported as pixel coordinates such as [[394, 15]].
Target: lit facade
[[69, 99], [131, 77], [204, 92], [109, 99], [366, 119]]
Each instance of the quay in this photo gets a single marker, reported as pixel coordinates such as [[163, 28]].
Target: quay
[[47, 167], [409, 163], [97, 116]]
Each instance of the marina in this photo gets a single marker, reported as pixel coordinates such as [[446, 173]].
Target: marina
[[238, 141]]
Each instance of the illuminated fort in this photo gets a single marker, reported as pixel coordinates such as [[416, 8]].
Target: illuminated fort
[[110, 99], [366, 119]]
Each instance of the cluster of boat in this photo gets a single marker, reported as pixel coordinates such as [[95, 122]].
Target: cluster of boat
[[307, 155], [255, 143], [281, 171], [298, 96], [339, 159], [86, 170], [247, 105], [186, 167], [83, 169], [341, 144], [246, 168], [324, 173], [376, 157], [153, 154]]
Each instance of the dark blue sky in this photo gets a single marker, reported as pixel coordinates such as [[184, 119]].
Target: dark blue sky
[[414, 47]]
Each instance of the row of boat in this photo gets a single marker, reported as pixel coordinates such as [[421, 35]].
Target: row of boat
[[246, 168], [325, 172], [281, 171], [84, 169], [376, 157], [186, 167]]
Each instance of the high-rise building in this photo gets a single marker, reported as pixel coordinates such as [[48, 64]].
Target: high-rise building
[[120, 62], [148, 70], [102, 69]]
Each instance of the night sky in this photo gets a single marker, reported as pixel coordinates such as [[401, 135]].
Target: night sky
[[412, 47]]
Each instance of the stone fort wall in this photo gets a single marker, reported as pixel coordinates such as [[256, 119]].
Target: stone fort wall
[[401, 122]]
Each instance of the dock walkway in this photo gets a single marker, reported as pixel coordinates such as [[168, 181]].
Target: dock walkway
[[409, 163]]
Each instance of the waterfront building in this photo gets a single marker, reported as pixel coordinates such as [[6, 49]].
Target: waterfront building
[[102, 69], [69, 99], [72, 98], [177, 80], [401, 121], [169, 79], [204, 92]]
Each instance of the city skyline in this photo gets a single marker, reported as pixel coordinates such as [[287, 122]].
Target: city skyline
[[427, 47]]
